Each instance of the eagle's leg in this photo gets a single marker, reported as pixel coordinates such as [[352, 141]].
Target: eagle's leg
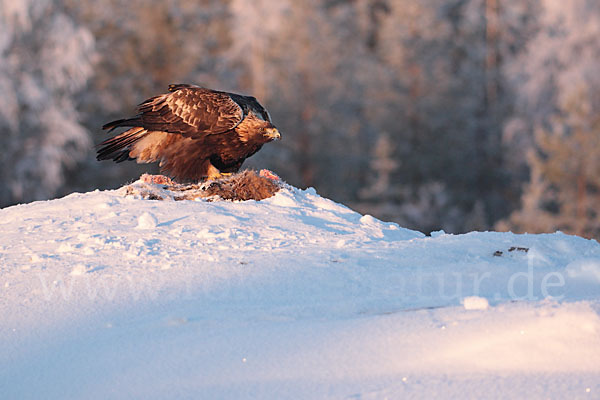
[[213, 173]]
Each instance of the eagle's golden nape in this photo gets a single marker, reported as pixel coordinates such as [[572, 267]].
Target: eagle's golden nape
[[193, 133]]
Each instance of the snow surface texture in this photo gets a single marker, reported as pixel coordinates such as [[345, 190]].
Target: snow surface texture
[[108, 296]]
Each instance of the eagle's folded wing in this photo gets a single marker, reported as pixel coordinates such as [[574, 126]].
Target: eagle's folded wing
[[191, 112]]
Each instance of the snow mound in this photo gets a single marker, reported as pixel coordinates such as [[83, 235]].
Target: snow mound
[[147, 221], [475, 303], [108, 295]]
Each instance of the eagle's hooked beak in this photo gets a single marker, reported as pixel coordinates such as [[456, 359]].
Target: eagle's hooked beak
[[273, 133]]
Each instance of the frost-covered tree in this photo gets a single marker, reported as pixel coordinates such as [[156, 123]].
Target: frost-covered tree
[[448, 102], [558, 84], [45, 58], [395, 202], [561, 55], [383, 164], [564, 191]]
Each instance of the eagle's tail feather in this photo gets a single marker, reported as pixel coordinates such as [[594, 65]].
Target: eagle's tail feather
[[117, 148], [135, 121]]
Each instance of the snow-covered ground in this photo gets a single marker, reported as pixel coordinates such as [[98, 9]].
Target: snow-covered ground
[[105, 296]]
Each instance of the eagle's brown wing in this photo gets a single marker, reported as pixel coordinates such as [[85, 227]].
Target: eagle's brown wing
[[191, 111]]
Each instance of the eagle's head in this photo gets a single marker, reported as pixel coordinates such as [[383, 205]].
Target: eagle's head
[[257, 128], [259, 115], [271, 133]]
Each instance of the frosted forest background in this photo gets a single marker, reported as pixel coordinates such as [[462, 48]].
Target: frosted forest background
[[437, 114]]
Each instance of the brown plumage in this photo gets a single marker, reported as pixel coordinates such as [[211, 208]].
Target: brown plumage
[[193, 132]]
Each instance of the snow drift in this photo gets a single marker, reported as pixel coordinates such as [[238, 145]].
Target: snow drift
[[295, 296]]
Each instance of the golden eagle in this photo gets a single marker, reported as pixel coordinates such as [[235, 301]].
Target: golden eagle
[[193, 132]]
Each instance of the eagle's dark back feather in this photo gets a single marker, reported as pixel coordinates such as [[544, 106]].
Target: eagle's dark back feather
[[192, 131]]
